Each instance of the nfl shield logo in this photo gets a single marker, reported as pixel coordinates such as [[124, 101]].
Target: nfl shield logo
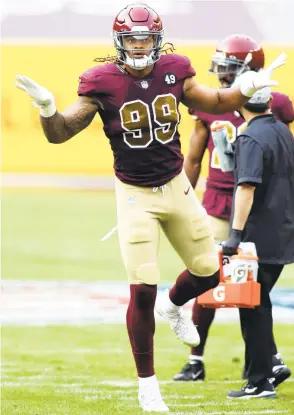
[[144, 84]]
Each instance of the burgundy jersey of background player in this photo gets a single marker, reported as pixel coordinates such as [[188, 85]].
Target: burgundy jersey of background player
[[141, 117], [217, 198]]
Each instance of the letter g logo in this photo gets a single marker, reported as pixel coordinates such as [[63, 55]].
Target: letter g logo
[[219, 293]]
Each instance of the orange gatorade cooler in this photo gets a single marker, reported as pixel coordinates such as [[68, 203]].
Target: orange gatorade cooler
[[240, 289]]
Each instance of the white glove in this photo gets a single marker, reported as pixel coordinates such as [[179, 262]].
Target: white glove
[[43, 98], [249, 82]]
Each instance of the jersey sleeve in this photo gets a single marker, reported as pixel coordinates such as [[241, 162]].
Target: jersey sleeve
[[181, 66], [283, 107], [248, 161], [89, 83], [188, 69], [201, 116]]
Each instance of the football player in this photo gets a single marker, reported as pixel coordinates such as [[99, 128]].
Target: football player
[[137, 97], [230, 59]]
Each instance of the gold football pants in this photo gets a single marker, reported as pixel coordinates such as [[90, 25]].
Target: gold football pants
[[220, 228], [176, 209]]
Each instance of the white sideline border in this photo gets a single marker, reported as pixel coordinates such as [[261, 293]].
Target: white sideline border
[[41, 303], [261, 411], [114, 383]]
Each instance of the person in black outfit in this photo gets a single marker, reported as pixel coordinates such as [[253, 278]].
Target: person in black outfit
[[263, 213]]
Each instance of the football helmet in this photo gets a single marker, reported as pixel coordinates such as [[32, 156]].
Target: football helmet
[[236, 54], [140, 22]]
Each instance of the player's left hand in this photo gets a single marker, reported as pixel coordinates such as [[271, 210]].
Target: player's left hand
[[250, 81], [43, 98], [230, 247]]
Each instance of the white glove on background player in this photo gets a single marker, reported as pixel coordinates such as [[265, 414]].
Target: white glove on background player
[[43, 98], [249, 82]]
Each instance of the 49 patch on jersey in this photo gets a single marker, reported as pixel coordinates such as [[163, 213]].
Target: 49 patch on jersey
[[170, 79]]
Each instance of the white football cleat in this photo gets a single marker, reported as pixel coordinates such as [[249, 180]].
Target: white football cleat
[[150, 398], [183, 326]]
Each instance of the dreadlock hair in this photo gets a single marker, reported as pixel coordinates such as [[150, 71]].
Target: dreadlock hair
[[166, 48]]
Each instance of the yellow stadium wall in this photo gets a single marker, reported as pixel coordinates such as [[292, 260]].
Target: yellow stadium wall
[[25, 149]]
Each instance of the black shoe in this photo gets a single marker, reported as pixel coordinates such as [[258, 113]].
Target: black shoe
[[250, 390], [191, 372], [280, 371]]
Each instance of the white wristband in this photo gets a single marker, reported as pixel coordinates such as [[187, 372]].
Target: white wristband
[[47, 111]]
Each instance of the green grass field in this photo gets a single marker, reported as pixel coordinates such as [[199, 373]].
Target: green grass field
[[56, 236], [88, 369]]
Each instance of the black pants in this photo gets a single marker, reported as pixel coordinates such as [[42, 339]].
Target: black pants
[[257, 327]]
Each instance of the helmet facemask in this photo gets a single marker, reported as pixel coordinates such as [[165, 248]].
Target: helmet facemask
[[139, 33], [227, 69]]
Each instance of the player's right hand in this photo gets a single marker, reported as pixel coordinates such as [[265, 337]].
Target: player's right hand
[[43, 98], [250, 82]]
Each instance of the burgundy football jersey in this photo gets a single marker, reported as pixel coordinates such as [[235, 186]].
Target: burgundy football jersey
[[141, 117], [217, 198]]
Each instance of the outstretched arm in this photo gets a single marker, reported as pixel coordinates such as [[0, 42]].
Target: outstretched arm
[[62, 126], [59, 127], [214, 101], [217, 101]]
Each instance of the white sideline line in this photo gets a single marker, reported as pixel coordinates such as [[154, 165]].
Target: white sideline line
[[169, 382], [261, 411], [284, 350], [195, 404], [80, 351], [132, 398], [121, 384], [216, 403], [169, 397], [38, 377], [44, 303]]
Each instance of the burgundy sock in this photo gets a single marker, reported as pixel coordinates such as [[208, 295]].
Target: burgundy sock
[[189, 286], [141, 326], [202, 317]]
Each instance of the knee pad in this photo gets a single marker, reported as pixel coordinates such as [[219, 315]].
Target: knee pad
[[205, 265], [147, 273]]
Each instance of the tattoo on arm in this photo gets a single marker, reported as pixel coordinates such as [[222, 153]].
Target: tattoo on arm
[[63, 126]]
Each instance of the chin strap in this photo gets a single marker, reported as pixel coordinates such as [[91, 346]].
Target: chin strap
[[140, 64]]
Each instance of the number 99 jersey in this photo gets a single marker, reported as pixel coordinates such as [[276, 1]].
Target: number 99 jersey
[[141, 117]]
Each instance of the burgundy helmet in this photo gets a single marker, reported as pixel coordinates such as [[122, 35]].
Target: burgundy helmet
[[237, 54], [140, 22]]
